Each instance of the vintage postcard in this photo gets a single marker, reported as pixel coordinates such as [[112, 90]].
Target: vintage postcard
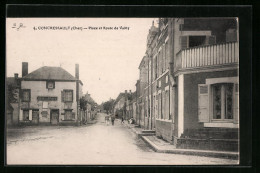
[[122, 91]]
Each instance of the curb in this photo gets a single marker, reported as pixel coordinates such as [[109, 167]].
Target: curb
[[206, 153]]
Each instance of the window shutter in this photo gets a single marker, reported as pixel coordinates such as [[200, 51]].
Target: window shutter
[[184, 42], [203, 109], [30, 115], [236, 104], [62, 117], [62, 96], [21, 115], [167, 105]]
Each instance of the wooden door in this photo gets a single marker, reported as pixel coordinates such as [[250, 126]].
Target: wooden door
[[35, 116], [54, 116]]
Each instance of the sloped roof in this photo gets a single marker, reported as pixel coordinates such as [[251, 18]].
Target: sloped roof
[[119, 97], [10, 81], [50, 73]]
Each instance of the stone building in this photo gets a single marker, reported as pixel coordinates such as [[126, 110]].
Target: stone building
[[49, 95]]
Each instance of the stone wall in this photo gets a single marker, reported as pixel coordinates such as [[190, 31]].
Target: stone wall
[[164, 129]]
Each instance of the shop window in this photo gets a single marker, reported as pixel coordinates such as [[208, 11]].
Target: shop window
[[69, 115], [26, 95]]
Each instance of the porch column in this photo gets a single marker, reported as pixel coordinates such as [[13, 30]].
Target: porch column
[[180, 104]]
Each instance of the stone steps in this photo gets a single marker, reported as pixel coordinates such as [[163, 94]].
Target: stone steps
[[148, 131]]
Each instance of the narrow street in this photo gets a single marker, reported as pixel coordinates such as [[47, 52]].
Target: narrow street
[[92, 144]]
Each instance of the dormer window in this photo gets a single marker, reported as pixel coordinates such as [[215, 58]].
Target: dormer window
[[50, 84]]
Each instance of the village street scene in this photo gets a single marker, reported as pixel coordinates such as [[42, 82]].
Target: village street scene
[[155, 91]]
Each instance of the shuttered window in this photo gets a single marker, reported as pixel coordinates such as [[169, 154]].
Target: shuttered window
[[69, 115], [203, 109], [236, 104], [159, 105], [26, 95], [223, 100], [166, 105], [184, 42], [167, 57]]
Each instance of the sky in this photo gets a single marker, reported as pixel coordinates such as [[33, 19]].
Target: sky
[[108, 58]]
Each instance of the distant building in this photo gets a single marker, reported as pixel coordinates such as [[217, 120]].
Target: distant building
[[49, 95], [12, 100]]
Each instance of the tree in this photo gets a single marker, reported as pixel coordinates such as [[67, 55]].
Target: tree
[[108, 106]]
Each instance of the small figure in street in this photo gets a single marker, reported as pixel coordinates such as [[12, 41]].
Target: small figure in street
[[122, 120], [107, 119], [112, 119]]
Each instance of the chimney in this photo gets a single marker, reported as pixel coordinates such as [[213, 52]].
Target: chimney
[[125, 94], [24, 68], [130, 91], [77, 71], [16, 75]]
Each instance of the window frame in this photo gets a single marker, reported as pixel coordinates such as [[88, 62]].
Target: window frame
[[211, 110], [64, 97], [47, 84], [68, 110], [26, 90]]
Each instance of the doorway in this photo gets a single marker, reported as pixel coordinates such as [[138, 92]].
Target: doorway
[[54, 116], [35, 116]]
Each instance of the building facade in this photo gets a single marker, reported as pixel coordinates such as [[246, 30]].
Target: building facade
[[190, 91], [49, 95]]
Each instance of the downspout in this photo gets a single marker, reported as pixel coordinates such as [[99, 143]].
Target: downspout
[[148, 105]]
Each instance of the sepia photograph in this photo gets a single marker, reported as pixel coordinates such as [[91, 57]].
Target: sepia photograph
[[122, 91]]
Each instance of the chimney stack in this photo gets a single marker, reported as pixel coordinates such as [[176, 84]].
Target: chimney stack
[[77, 71], [24, 68]]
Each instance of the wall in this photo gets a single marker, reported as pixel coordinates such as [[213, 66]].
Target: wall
[[191, 82], [163, 129], [38, 88]]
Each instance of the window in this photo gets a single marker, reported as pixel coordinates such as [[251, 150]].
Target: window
[[26, 95], [25, 114], [218, 101], [166, 116], [223, 101], [69, 115], [50, 84], [67, 95]]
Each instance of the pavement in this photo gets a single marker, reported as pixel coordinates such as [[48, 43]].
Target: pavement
[[161, 146]]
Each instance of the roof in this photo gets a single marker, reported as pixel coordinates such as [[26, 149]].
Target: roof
[[50, 73], [12, 81], [119, 97]]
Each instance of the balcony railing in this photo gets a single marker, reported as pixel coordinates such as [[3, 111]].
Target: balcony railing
[[210, 55]]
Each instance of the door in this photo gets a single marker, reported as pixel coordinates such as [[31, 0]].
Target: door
[[54, 116], [35, 116]]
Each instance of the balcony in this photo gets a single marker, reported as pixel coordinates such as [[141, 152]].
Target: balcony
[[207, 56]]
